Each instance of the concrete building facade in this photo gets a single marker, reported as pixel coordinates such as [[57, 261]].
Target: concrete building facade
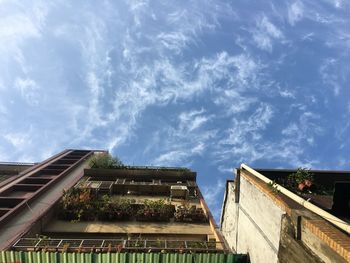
[[64, 205], [9, 170], [260, 219]]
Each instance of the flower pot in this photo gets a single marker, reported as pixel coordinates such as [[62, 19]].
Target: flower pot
[[308, 183]]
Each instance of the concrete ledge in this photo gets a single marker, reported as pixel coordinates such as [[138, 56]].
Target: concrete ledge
[[292, 250], [334, 238], [134, 227], [154, 173]]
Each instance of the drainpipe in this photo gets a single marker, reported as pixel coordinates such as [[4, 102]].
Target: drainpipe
[[329, 217]]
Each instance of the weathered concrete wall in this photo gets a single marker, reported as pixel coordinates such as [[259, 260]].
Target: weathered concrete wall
[[253, 225], [253, 241], [230, 219], [291, 249], [272, 228]]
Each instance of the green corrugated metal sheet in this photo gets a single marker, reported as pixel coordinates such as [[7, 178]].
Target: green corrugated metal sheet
[[57, 257]]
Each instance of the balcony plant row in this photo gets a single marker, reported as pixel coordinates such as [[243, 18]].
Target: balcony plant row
[[190, 214], [84, 205], [107, 161]]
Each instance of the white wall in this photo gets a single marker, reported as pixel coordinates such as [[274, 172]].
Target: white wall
[[254, 224], [230, 216]]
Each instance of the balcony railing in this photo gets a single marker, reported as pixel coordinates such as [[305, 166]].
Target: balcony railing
[[97, 184], [117, 245], [139, 187]]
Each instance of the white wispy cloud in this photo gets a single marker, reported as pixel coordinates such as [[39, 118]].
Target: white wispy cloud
[[174, 83], [29, 89], [265, 33], [18, 140], [308, 36], [338, 3], [286, 93], [305, 130], [172, 157], [18, 26], [192, 120], [295, 12], [187, 140], [175, 41], [249, 127], [329, 74], [164, 82], [234, 102]]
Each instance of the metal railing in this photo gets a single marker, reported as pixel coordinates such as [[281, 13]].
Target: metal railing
[[160, 168], [97, 184], [17, 163], [117, 245], [122, 181]]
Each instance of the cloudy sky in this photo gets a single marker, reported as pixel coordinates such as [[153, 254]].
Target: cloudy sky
[[202, 84]]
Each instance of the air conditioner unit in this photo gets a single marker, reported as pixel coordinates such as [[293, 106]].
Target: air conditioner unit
[[178, 191], [95, 184]]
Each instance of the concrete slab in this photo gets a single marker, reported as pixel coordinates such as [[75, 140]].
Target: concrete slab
[[131, 227], [141, 198]]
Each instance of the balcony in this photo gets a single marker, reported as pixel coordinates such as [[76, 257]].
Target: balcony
[[117, 245], [123, 186]]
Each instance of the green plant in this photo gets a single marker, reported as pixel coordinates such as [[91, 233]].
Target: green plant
[[136, 243], [105, 160], [302, 179], [196, 244], [188, 213], [155, 211], [115, 210], [156, 243], [273, 187], [84, 204], [78, 204]]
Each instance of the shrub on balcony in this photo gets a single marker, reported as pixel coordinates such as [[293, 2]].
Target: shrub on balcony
[[190, 214], [82, 204], [115, 210], [196, 244], [155, 211], [78, 204], [106, 161]]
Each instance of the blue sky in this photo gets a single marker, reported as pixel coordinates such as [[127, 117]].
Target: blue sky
[[202, 84]]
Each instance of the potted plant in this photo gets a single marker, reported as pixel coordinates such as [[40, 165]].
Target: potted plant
[[77, 204], [115, 210], [190, 214], [302, 179], [155, 211]]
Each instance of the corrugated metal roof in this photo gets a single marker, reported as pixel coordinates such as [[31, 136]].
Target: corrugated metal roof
[[55, 257]]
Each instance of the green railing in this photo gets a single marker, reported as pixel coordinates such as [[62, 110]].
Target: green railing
[[56, 257]]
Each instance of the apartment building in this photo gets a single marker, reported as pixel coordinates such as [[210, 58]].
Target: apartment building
[[68, 205]]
